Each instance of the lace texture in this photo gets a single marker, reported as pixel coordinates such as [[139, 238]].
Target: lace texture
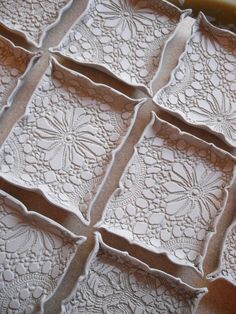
[[34, 254], [171, 194]]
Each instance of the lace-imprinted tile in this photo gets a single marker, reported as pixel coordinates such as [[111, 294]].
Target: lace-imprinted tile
[[202, 88], [115, 282], [171, 194], [124, 37], [65, 143], [34, 255], [14, 64], [227, 267], [32, 18]]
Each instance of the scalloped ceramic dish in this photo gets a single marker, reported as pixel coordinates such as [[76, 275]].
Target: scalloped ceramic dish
[[30, 18], [34, 255], [202, 88], [115, 282], [125, 38], [227, 267], [64, 144], [15, 62], [171, 194]]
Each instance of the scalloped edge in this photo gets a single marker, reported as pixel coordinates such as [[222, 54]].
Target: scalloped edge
[[201, 19], [34, 56], [103, 67], [100, 244], [137, 105], [217, 273], [79, 240], [38, 43], [196, 141]]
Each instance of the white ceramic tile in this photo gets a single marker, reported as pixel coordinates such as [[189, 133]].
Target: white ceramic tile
[[115, 282], [202, 88], [227, 267], [34, 255], [65, 143], [171, 194], [14, 64], [124, 37], [31, 18]]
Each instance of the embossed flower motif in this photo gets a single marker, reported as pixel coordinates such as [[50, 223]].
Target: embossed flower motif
[[23, 235], [194, 192], [126, 16], [218, 113], [67, 137]]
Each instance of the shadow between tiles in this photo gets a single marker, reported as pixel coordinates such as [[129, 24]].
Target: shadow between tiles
[[214, 301]]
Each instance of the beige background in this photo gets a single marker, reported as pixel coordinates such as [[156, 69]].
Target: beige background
[[221, 298]]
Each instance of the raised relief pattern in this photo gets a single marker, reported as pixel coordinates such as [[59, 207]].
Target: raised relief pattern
[[64, 144], [13, 65], [34, 255], [227, 268], [125, 37], [202, 86], [116, 283], [30, 17], [171, 194]]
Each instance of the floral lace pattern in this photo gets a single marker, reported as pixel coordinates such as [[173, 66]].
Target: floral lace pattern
[[117, 283], [171, 194], [34, 255], [202, 87], [64, 145], [13, 64], [125, 37], [32, 18], [227, 268]]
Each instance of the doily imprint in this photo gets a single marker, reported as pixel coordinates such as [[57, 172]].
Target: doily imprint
[[31, 18], [227, 266], [171, 194], [65, 143], [125, 38], [15, 62], [202, 88], [34, 255], [115, 282]]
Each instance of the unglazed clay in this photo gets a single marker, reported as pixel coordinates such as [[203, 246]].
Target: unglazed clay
[[34, 255], [124, 37], [202, 88], [14, 64], [32, 18], [171, 194], [227, 267], [65, 142], [115, 282]]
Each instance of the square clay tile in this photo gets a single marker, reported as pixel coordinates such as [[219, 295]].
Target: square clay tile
[[115, 282], [171, 194], [65, 143], [125, 38], [202, 88], [15, 63], [32, 18], [35, 253], [227, 267]]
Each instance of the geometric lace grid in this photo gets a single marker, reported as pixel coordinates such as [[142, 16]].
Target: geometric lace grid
[[202, 87], [171, 194], [13, 63], [117, 283], [124, 37], [63, 146], [34, 255], [31, 18]]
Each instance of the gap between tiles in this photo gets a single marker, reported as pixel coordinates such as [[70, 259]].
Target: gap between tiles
[[35, 201]]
